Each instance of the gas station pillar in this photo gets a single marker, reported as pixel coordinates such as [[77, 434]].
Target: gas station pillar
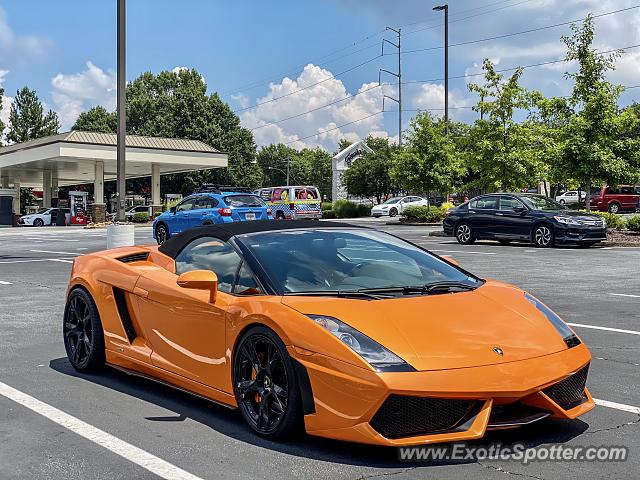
[[155, 189], [46, 188], [16, 197], [99, 208]]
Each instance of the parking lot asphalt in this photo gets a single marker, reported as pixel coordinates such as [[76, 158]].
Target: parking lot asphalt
[[595, 287]]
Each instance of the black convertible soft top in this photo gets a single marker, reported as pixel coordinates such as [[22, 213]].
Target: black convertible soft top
[[225, 231]]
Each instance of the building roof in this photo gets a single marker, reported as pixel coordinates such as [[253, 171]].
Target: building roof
[[110, 139]]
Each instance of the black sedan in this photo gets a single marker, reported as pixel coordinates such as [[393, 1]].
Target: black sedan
[[515, 216]]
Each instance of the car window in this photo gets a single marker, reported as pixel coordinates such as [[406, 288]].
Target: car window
[[392, 200], [210, 253], [485, 203], [538, 202], [244, 201], [246, 283], [185, 205], [627, 190], [53, 211], [611, 191], [304, 193], [507, 203], [571, 194], [265, 194]]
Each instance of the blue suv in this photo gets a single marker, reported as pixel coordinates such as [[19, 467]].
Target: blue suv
[[209, 206]]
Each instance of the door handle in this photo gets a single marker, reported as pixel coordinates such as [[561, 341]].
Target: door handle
[[140, 292]]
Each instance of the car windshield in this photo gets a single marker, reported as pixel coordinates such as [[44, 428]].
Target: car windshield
[[392, 200], [42, 210], [538, 202], [244, 201], [347, 260]]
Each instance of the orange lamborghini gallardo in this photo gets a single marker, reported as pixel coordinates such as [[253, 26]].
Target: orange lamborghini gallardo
[[345, 332]]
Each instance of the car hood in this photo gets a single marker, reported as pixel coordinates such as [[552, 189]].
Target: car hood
[[572, 214], [447, 331], [383, 206]]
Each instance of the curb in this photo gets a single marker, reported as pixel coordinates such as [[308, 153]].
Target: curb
[[414, 224]]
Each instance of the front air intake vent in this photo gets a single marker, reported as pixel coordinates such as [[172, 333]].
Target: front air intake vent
[[134, 257], [123, 311], [569, 392]]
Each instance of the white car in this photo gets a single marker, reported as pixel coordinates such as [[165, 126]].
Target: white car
[[44, 216], [396, 205], [570, 197]]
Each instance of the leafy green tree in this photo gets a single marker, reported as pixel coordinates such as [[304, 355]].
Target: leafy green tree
[[429, 161], [97, 119], [27, 119], [369, 175], [499, 157], [317, 165], [273, 159], [594, 147]]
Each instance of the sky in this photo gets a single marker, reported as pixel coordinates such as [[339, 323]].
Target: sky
[[303, 72]]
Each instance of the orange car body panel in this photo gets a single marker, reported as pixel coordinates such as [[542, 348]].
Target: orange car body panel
[[186, 341]]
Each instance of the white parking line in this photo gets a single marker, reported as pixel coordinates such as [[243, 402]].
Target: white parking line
[[124, 449], [609, 329], [50, 251], [463, 251], [62, 260], [617, 406], [2, 282], [624, 295]]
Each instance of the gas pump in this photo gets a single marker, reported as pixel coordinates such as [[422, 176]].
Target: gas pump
[[78, 206]]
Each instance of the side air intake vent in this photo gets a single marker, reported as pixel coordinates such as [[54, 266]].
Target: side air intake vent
[[135, 257], [569, 392], [123, 311]]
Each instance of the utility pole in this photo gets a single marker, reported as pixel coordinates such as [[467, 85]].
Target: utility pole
[[398, 75], [446, 65], [288, 167], [121, 183]]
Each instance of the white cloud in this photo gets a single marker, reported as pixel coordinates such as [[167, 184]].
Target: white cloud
[[241, 99], [321, 124], [19, 48], [74, 93]]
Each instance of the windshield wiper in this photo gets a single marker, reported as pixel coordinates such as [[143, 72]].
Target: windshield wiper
[[435, 287], [336, 293]]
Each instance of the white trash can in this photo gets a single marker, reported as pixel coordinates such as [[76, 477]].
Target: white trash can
[[119, 235]]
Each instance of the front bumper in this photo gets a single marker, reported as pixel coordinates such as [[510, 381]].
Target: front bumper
[[571, 234], [379, 213], [306, 216], [347, 398]]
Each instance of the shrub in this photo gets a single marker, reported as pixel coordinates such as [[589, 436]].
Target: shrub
[[446, 206], [613, 221], [425, 214], [347, 209], [633, 223], [329, 214], [140, 217], [326, 206]]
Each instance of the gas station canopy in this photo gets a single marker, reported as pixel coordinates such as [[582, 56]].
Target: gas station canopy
[[80, 157]]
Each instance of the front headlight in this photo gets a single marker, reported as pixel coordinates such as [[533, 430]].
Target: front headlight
[[570, 338], [375, 354], [566, 220]]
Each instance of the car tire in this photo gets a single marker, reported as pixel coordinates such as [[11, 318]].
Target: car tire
[[464, 234], [82, 332], [543, 235], [280, 215], [614, 207], [393, 212], [562, 202], [38, 222], [259, 386], [162, 233]]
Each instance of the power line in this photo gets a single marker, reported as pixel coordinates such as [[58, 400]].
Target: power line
[[309, 86], [334, 128], [507, 35]]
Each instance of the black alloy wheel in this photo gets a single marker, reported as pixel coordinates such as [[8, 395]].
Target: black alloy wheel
[[393, 212], [543, 236], [82, 332], [265, 384], [38, 222], [280, 215], [162, 234], [464, 234]]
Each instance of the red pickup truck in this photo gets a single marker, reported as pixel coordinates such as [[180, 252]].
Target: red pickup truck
[[617, 199]]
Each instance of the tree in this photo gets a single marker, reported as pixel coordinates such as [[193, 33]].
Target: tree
[[499, 156], [317, 163], [97, 119], [429, 162], [593, 147], [369, 175], [273, 159], [27, 119]]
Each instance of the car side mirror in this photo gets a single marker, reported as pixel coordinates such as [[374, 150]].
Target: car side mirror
[[200, 280], [519, 209], [450, 259]]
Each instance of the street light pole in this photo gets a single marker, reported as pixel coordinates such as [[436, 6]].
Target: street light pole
[[446, 65], [121, 183], [288, 168]]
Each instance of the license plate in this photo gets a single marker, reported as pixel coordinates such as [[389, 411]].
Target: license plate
[[249, 216]]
